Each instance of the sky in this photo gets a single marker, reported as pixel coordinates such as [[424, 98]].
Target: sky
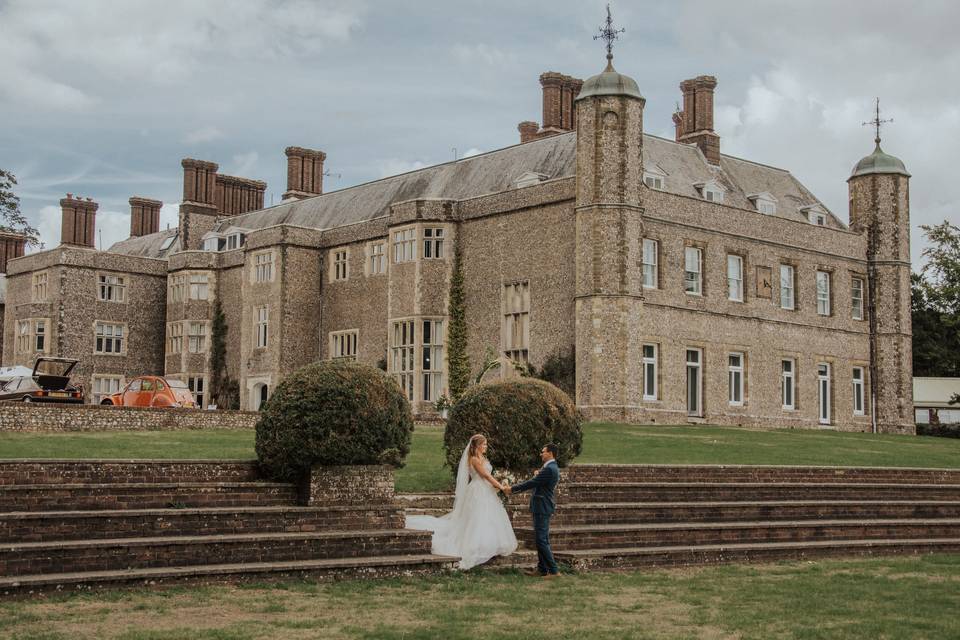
[[102, 98]]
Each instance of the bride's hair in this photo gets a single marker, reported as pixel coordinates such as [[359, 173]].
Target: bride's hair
[[475, 441]]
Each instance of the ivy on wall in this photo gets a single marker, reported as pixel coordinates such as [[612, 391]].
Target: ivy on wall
[[224, 390]]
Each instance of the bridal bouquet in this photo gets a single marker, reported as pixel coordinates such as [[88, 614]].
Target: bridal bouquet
[[504, 477]]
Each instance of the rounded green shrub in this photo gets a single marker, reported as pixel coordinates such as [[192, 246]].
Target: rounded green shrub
[[333, 413], [518, 417]]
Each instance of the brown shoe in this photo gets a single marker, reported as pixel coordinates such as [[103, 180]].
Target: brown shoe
[[533, 573]]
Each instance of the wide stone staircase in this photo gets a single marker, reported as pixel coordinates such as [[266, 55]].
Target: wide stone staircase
[[71, 525], [623, 516]]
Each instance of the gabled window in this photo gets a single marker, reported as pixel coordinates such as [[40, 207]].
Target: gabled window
[[815, 214], [692, 271], [235, 241], [711, 191], [764, 202], [528, 179]]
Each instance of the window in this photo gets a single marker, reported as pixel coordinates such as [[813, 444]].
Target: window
[[432, 359], [343, 345], [235, 241], [378, 262], [40, 335], [197, 337], [786, 287], [735, 374], [40, 287], [214, 243], [263, 267], [735, 278], [110, 288], [649, 372], [433, 243], [711, 191], [823, 293], [765, 206], [198, 389], [787, 388], [694, 383], [858, 403], [653, 181], [650, 259], [177, 288], [817, 218], [823, 393], [404, 245], [693, 260], [856, 298], [175, 337], [109, 338], [104, 386], [340, 265], [516, 321], [261, 316], [23, 336], [199, 286], [401, 354]]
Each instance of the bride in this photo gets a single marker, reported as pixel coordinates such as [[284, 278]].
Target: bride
[[478, 528]]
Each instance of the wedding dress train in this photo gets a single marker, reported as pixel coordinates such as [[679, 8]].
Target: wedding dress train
[[478, 528]]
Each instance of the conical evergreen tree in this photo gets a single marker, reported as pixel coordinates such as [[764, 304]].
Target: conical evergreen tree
[[458, 362]]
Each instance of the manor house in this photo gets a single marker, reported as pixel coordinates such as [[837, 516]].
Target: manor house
[[691, 285]]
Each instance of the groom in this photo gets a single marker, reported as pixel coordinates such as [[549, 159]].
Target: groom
[[542, 507]]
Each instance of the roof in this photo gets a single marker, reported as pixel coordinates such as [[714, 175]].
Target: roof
[[553, 157], [879, 162], [609, 83], [935, 392]]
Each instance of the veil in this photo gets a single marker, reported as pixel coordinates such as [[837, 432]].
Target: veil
[[463, 479]]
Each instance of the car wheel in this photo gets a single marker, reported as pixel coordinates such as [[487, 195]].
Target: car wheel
[[27, 399], [106, 403]]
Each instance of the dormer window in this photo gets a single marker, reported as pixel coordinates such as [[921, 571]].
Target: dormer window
[[654, 178], [815, 215], [213, 243], [764, 202], [528, 179], [231, 238], [711, 191]]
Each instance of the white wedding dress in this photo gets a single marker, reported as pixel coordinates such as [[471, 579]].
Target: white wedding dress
[[478, 528]]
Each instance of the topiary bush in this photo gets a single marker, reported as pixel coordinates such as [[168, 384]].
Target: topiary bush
[[333, 413], [518, 417]]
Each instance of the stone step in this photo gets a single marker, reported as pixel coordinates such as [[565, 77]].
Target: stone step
[[625, 558], [749, 492], [383, 566], [31, 558], [755, 473], [42, 471], [426, 501], [152, 495], [636, 513], [713, 533], [43, 526]]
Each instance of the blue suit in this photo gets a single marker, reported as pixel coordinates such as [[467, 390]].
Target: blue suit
[[542, 506]]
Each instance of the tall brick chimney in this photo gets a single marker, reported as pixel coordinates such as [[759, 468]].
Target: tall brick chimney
[[199, 180], [144, 216], [528, 130], [79, 221], [559, 112], [697, 117], [12, 245], [198, 213], [304, 173], [238, 195]]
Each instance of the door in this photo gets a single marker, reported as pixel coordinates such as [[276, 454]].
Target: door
[[132, 393], [823, 392], [694, 383]]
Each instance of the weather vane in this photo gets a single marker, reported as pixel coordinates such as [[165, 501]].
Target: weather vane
[[609, 34], [876, 122]]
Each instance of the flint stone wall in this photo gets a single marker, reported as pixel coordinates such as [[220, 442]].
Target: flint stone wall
[[348, 484], [35, 417]]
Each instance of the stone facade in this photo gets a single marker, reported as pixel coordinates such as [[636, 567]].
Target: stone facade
[[15, 416], [694, 286]]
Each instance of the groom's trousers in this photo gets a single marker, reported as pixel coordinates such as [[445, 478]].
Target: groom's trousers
[[541, 529]]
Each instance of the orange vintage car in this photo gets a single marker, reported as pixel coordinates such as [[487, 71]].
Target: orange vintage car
[[152, 391]]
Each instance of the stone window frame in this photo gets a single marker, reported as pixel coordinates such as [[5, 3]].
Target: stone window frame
[[701, 349], [40, 286], [854, 277], [340, 264], [122, 337], [261, 324], [743, 275], [262, 266], [375, 264], [174, 341], [512, 319], [795, 299], [793, 359], [830, 378], [202, 394], [433, 243], [198, 286], [177, 287], [649, 363], [702, 249], [97, 396], [26, 341], [402, 361], [344, 344], [828, 272], [107, 291], [737, 372], [433, 351], [862, 383], [404, 244], [197, 338], [655, 264]]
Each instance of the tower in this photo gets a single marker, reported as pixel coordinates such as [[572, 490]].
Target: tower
[[609, 228], [879, 189]]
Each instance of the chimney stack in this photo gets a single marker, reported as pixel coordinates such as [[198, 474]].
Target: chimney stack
[[238, 195], [304, 173], [528, 131], [199, 181], [12, 245], [78, 221], [144, 216], [559, 110], [696, 124]]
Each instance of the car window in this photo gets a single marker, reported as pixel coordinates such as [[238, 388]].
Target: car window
[[160, 386], [177, 384], [147, 385], [134, 386]]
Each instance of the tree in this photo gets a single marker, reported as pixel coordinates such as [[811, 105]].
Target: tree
[[11, 219], [935, 306], [458, 362]]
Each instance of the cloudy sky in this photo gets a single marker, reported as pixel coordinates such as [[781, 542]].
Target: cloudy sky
[[103, 98]]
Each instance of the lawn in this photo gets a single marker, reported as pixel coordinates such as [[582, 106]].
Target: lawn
[[611, 443], [866, 598]]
